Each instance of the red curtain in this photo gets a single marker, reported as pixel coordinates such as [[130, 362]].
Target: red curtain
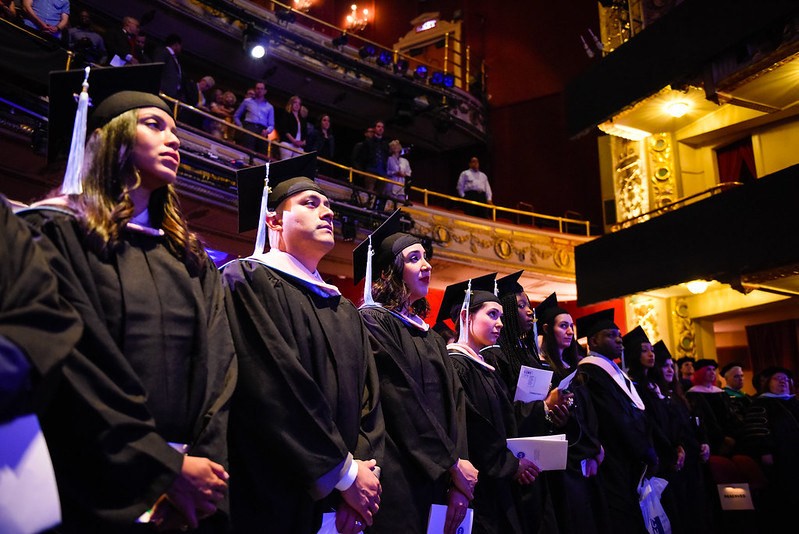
[[736, 161], [774, 344]]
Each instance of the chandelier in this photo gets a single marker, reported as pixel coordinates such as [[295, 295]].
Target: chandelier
[[357, 21]]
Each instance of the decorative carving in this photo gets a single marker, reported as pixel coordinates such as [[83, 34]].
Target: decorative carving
[[629, 179], [686, 336], [661, 161], [644, 313]]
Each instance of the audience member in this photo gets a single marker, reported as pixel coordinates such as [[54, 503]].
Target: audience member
[[399, 170], [85, 41], [140, 53], [733, 375], [712, 405], [321, 139], [121, 43], [473, 185], [359, 159], [195, 93], [48, 16], [292, 128], [172, 74], [377, 153], [256, 115], [223, 107], [8, 10], [621, 418]]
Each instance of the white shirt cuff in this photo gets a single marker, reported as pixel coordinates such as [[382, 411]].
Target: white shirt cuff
[[349, 478]]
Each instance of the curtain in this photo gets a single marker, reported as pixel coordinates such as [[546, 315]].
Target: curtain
[[736, 161], [774, 344]]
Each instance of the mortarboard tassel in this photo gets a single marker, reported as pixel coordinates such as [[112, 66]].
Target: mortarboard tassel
[[463, 336], [73, 184], [367, 284], [260, 238]]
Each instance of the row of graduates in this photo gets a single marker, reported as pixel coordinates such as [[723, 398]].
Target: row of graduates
[[172, 396], [260, 398]]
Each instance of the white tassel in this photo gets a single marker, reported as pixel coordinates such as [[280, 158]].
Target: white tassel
[[260, 238], [463, 336], [367, 284], [73, 179]]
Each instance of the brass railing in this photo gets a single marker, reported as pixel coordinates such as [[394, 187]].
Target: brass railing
[[352, 172]]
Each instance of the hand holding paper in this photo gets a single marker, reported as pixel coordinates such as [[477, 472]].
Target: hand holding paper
[[548, 452], [533, 384]]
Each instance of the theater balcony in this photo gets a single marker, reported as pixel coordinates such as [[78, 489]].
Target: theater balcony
[[462, 246], [699, 170]]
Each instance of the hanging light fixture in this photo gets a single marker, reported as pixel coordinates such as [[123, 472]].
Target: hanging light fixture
[[357, 20], [303, 5], [677, 109]]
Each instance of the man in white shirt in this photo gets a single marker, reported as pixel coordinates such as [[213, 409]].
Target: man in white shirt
[[473, 185]]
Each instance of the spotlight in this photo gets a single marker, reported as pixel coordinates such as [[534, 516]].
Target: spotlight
[[437, 78], [449, 80], [286, 16], [367, 50], [401, 66], [420, 73], [258, 51], [385, 58], [340, 41]]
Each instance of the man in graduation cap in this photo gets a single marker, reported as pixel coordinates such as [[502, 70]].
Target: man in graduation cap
[[306, 425], [623, 430], [421, 397]]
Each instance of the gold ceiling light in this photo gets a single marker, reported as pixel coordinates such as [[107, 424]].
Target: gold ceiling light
[[697, 287], [677, 109]]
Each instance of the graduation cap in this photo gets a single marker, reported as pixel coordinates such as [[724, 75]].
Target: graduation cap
[[510, 284], [454, 295], [379, 250], [263, 188], [705, 362], [589, 325], [633, 339], [730, 366], [661, 353], [549, 309], [103, 82]]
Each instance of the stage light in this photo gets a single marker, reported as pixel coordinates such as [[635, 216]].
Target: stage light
[[385, 58], [367, 50], [437, 78], [258, 51], [401, 66], [449, 80], [420, 73]]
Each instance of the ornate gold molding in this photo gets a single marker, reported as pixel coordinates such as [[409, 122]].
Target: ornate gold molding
[[684, 327], [643, 312], [629, 178], [660, 152]]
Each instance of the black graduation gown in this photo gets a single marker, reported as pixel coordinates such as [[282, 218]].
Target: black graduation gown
[[623, 431], [718, 418], [425, 414], [307, 396], [39, 326], [490, 421], [155, 365]]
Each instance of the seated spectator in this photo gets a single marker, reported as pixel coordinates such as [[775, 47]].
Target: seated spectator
[[84, 41], [397, 169], [120, 43], [48, 16]]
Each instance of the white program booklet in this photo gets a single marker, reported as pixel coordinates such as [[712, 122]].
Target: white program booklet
[[28, 493], [547, 452], [438, 516], [533, 384]]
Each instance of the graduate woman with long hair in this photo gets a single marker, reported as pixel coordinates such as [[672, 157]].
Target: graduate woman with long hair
[[142, 412], [422, 399]]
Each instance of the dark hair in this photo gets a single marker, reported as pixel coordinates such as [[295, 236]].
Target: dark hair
[[550, 350], [668, 389], [105, 206], [473, 308], [635, 369], [173, 38], [518, 346], [391, 291]]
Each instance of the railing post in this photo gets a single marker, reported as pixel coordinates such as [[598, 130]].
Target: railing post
[[465, 86], [446, 51]]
